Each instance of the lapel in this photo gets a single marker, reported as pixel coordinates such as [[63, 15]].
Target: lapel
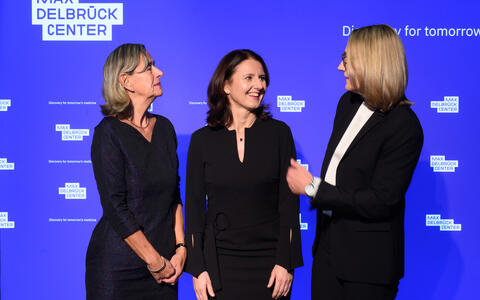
[[339, 130], [374, 120], [343, 123]]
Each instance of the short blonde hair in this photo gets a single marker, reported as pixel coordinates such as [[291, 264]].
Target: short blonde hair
[[378, 66], [124, 59]]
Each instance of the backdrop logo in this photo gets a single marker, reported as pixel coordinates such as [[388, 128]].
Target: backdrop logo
[[299, 161], [69, 20], [286, 104], [4, 222], [5, 104], [4, 165], [71, 134], [197, 102], [440, 164], [450, 104], [303, 226], [444, 224], [72, 190]]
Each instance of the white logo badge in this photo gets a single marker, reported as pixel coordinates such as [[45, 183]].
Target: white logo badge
[[4, 165], [439, 164], [286, 104], [444, 224], [450, 104], [303, 226], [4, 222], [72, 190], [71, 134], [299, 161], [5, 104], [69, 20]]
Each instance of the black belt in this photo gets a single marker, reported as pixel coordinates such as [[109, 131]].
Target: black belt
[[217, 222]]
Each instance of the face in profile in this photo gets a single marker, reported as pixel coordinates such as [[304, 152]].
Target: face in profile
[[246, 87], [145, 79], [344, 66]]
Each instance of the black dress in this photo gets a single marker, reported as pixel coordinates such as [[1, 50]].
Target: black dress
[[251, 221], [138, 186]]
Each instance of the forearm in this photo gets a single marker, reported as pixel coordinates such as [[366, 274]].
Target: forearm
[[367, 203], [179, 231], [142, 247]]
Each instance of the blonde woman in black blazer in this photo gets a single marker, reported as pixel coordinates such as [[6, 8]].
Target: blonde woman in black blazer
[[360, 195]]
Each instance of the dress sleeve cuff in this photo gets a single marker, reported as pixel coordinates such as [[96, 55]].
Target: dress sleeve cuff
[[289, 252], [195, 264]]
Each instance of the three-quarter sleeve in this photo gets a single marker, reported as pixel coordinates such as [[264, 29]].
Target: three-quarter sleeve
[[108, 167], [173, 137], [289, 248], [195, 207]]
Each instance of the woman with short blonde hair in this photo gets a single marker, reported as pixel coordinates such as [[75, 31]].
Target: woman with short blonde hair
[[360, 195], [137, 249], [123, 60]]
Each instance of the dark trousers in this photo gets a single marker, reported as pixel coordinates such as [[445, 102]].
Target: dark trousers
[[327, 286]]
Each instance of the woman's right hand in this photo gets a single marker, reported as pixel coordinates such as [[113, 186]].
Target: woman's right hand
[[167, 272], [201, 285]]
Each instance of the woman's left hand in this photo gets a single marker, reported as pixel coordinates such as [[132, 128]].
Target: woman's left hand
[[283, 282], [178, 261]]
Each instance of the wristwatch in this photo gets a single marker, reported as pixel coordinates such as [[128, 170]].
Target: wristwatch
[[310, 189]]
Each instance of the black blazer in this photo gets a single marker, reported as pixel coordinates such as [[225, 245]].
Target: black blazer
[[368, 201]]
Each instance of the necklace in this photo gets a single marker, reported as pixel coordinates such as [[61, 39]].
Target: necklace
[[251, 123], [143, 128]]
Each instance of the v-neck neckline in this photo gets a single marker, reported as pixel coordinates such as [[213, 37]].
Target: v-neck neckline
[[235, 149], [233, 132], [139, 133]]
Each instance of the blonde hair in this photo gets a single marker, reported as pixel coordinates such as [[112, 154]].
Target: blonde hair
[[378, 66], [124, 59]]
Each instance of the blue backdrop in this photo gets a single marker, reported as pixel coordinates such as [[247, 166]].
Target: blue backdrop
[[52, 54]]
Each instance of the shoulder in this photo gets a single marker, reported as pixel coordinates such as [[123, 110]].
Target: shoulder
[[207, 132], [275, 125], [348, 100], [106, 126], [202, 136], [276, 129], [404, 114], [403, 119], [107, 132], [163, 122]]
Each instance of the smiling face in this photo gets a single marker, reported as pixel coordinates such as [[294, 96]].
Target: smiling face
[[144, 81], [246, 86]]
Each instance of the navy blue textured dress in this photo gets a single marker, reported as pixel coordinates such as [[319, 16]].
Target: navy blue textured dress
[[138, 185]]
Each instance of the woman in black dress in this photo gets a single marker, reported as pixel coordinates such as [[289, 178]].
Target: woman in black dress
[[245, 243], [137, 248]]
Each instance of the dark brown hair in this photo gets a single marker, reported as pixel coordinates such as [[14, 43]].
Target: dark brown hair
[[219, 113]]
